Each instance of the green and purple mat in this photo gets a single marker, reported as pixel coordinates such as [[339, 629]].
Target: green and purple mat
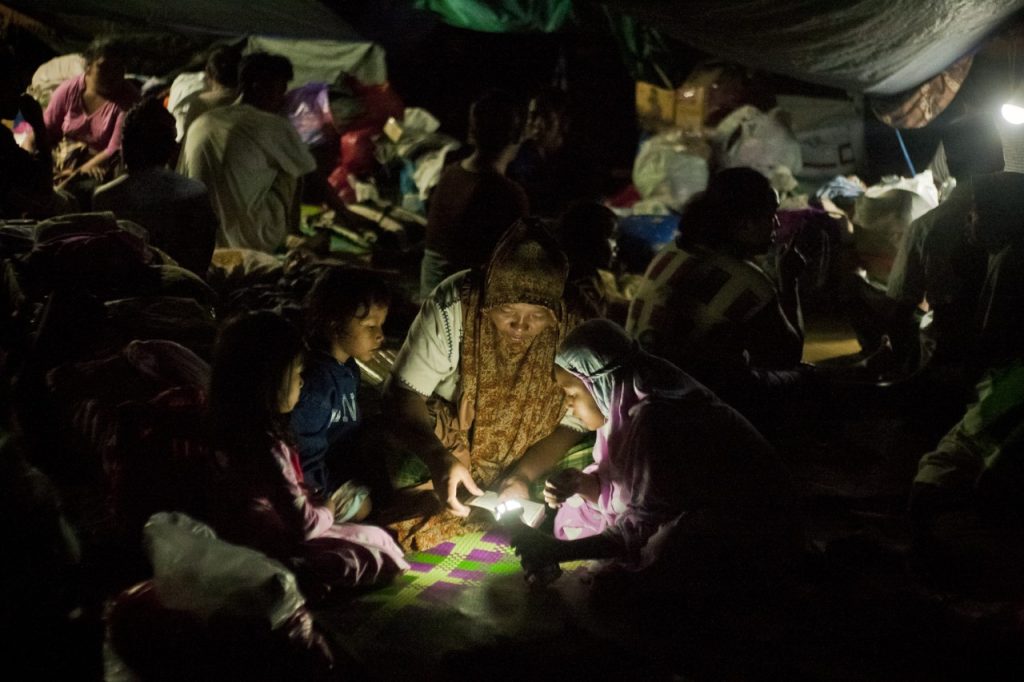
[[467, 592]]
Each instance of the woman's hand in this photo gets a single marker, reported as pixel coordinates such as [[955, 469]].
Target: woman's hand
[[447, 480], [569, 482]]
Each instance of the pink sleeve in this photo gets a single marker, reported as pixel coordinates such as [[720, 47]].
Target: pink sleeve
[[314, 519], [56, 110], [115, 139]]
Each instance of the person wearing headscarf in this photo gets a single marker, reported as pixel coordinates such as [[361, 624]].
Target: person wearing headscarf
[[676, 471], [472, 390]]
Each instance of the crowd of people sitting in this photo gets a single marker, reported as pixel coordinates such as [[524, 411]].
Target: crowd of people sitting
[[123, 337]]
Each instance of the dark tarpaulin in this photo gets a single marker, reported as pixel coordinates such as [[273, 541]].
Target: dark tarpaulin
[[877, 47], [278, 18]]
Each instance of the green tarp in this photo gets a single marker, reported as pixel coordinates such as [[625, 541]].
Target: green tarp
[[501, 16]]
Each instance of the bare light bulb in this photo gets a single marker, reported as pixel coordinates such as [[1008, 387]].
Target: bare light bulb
[[1012, 113]]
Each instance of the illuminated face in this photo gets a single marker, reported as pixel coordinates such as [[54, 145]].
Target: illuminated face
[[291, 386], [579, 399], [520, 323], [362, 335]]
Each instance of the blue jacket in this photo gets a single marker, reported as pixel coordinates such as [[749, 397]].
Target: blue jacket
[[326, 416]]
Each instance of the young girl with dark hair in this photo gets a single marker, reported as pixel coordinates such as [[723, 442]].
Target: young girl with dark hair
[[345, 312], [255, 384]]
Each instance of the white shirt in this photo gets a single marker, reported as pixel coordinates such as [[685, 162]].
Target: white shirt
[[251, 162], [428, 362]]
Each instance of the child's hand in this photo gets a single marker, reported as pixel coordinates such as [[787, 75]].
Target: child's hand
[[514, 487], [535, 548], [569, 482]]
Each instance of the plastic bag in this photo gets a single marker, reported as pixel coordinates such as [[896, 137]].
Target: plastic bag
[[762, 141], [882, 215], [357, 159], [309, 110], [380, 102], [194, 571], [670, 167]]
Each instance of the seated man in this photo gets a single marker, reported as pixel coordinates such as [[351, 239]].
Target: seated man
[[586, 232], [175, 210], [937, 261], [708, 308], [552, 169], [474, 203], [250, 158]]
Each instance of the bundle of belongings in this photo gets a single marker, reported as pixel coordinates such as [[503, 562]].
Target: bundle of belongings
[[212, 610]]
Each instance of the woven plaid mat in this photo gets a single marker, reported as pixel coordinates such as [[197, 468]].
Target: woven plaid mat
[[465, 593]]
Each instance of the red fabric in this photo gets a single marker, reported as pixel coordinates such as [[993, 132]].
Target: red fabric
[[380, 102], [625, 198], [357, 158]]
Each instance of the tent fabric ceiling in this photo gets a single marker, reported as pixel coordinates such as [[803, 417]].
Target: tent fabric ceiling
[[877, 47], [307, 19]]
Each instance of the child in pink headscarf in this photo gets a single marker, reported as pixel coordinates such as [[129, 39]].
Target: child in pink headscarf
[[677, 474]]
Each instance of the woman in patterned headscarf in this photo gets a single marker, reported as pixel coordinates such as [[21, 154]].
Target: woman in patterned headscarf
[[472, 389]]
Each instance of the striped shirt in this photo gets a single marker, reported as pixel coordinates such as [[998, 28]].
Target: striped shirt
[[690, 300]]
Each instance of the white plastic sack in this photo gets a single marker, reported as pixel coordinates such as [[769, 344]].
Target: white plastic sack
[[830, 132], [922, 186], [762, 141], [668, 169], [429, 167], [194, 571], [180, 96], [414, 120], [882, 215], [52, 73]]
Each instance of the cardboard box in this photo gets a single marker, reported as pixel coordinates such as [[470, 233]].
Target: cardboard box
[[655, 106], [693, 99]]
